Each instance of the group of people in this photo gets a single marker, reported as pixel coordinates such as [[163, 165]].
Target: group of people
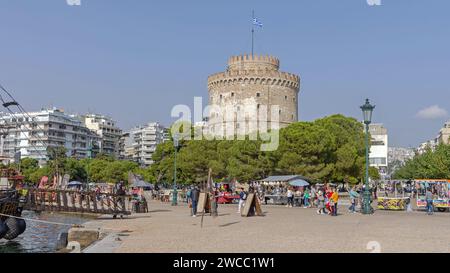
[[324, 199], [298, 197]]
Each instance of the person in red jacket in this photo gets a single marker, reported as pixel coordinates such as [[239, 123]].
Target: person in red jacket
[[328, 194]]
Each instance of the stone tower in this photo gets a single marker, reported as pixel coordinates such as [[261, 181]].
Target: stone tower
[[254, 81]]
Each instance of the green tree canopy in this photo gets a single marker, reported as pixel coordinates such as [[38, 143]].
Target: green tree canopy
[[330, 149], [429, 165]]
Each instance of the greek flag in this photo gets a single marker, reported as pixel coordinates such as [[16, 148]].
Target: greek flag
[[257, 23]]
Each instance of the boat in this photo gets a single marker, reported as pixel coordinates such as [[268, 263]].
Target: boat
[[11, 204]]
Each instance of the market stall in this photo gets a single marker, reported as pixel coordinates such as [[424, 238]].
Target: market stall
[[440, 190], [226, 195], [275, 187], [394, 194]]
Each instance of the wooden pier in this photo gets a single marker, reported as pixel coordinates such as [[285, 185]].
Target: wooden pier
[[77, 202]]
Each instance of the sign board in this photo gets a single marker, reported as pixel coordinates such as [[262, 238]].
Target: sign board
[[203, 203], [252, 206]]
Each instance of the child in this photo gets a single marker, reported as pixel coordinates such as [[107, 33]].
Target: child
[[321, 203]]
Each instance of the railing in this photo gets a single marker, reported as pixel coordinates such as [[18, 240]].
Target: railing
[[9, 203], [76, 201]]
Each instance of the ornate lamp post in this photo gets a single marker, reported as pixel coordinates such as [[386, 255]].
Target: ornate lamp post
[[367, 109], [175, 192]]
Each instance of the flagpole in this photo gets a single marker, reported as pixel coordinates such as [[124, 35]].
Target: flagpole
[[253, 30]]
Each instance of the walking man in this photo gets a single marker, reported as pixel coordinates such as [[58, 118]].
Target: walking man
[[353, 197], [195, 193], [429, 199]]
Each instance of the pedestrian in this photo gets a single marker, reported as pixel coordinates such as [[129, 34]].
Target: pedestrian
[[195, 194], [429, 199], [306, 198], [297, 197], [290, 197], [313, 196], [188, 195], [320, 203], [353, 197], [242, 198], [328, 195], [121, 193], [334, 205]]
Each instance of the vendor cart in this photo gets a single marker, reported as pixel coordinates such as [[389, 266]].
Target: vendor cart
[[391, 195], [440, 190]]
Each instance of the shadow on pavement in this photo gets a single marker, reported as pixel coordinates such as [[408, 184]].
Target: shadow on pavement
[[229, 224]]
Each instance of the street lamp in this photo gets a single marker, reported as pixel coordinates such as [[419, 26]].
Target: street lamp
[[175, 192], [367, 109]]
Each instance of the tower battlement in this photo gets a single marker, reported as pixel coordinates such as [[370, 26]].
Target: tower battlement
[[254, 81], [246, 62]]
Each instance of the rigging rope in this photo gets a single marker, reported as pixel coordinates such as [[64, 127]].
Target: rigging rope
[[61, 224], [40, 221]]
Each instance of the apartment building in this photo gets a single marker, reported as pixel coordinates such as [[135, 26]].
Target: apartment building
[[107, 130], [126, 149], [444, 134], [443, 137], [140, 143], [378, 156], [30, 134]]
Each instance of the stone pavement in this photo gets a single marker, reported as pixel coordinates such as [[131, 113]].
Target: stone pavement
[[171, 229]]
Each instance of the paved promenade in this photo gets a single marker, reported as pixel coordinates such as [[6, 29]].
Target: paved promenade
[[171, 229]]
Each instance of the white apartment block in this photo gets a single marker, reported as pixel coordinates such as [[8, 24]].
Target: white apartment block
[[107, 130], [141, 143], [430, 144], [126, 149], [400, 154], [378, 156], [30, 134], [442, 138], [444, 134]]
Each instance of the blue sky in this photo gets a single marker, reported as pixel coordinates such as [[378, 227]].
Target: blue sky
[[135, 60]]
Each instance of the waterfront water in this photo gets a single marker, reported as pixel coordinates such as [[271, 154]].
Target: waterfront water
[[40, 237]]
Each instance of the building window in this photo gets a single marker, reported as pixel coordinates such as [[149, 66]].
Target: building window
[[279, 112], [257, 106], [220, 97], [258, 94], [378, 161], [285, 97], [377, 143], [293, 99], [232, 94]]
